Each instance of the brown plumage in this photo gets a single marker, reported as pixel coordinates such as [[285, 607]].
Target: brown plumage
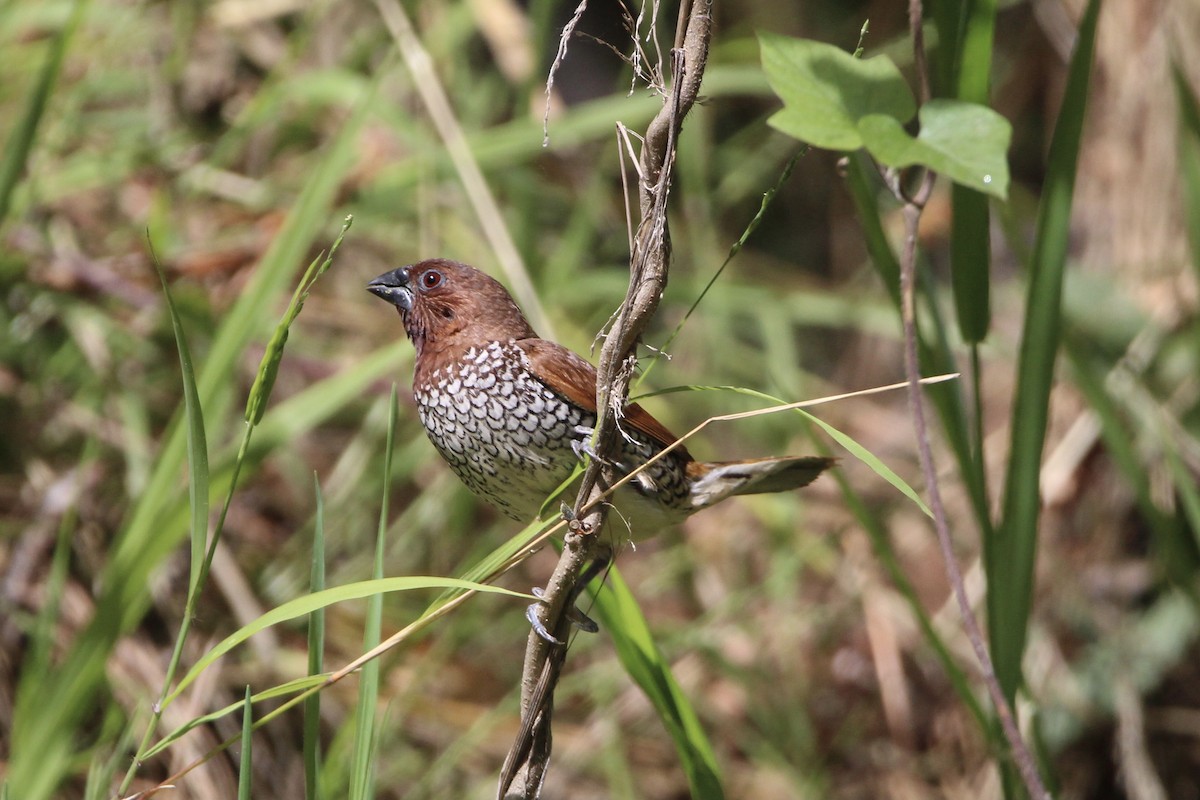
[[510, 412]]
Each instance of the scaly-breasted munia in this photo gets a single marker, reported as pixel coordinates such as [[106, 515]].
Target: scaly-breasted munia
[[510, 412]]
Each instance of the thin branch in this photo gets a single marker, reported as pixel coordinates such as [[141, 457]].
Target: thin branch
[[559, 57], [920, 59], [525, 766], [912, 217]]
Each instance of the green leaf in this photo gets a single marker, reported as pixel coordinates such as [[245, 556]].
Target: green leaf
[[827, 91], [1010, 555], [964, 142], [292, 687], [46, 725], [311, 602], [619, 614], [854, 448], [870, 459], [970, 248], [244, 763], [366, 732], [316, 655], [836, 101]]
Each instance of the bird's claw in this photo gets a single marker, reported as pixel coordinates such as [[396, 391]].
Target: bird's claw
[[582, 621], [531, 614], [574, 615], [583, 447]]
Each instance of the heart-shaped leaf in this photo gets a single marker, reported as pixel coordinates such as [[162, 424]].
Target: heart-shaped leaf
[[964, 142], [826, 91]]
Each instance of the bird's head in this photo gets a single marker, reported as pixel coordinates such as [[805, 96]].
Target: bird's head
[[444, 303]]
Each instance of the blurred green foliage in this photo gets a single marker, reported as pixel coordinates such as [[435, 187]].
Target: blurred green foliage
[[237, 138]]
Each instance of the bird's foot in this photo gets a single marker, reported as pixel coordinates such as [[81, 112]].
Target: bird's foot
[[580, 620], [583, 445], [576, 617], [531, 614]]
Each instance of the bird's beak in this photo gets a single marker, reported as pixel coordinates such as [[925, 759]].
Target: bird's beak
[[395, 287]]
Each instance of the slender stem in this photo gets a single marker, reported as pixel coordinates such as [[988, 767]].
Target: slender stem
[[912, 218], [977, 412], [1020, 752]]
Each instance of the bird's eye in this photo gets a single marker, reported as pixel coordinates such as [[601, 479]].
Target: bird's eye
[[431, 279]]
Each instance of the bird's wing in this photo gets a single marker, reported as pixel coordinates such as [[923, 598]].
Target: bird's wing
[[575, 379]]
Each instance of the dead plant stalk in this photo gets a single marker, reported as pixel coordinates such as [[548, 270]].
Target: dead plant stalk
[[525, 768]]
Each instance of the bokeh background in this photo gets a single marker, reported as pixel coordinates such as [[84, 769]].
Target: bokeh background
[[237, 134]]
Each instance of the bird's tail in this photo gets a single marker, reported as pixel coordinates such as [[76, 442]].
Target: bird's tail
[[714, 481]]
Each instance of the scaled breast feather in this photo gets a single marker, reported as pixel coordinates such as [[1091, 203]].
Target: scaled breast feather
[[575, 379]]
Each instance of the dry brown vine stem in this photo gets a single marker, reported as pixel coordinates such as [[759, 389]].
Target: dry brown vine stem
[[525, 767], [913, 206]]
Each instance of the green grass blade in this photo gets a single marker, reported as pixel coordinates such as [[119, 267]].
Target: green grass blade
[[867, 457], [947, 18], [864, 196], [203, 550], [244, 320], [197, 464], [1189, 496], [316, 655], [244, 781], [845, 440], [1011, 561], [298, 414], [20, 144], [102, 771], [309, 603], [947, 398], [293, 687], [362, 773], [618, 613], [47, 724], [970, 245], [970, 258], [198, 499]]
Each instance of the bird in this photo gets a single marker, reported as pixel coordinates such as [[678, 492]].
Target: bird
[[512, 413]]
